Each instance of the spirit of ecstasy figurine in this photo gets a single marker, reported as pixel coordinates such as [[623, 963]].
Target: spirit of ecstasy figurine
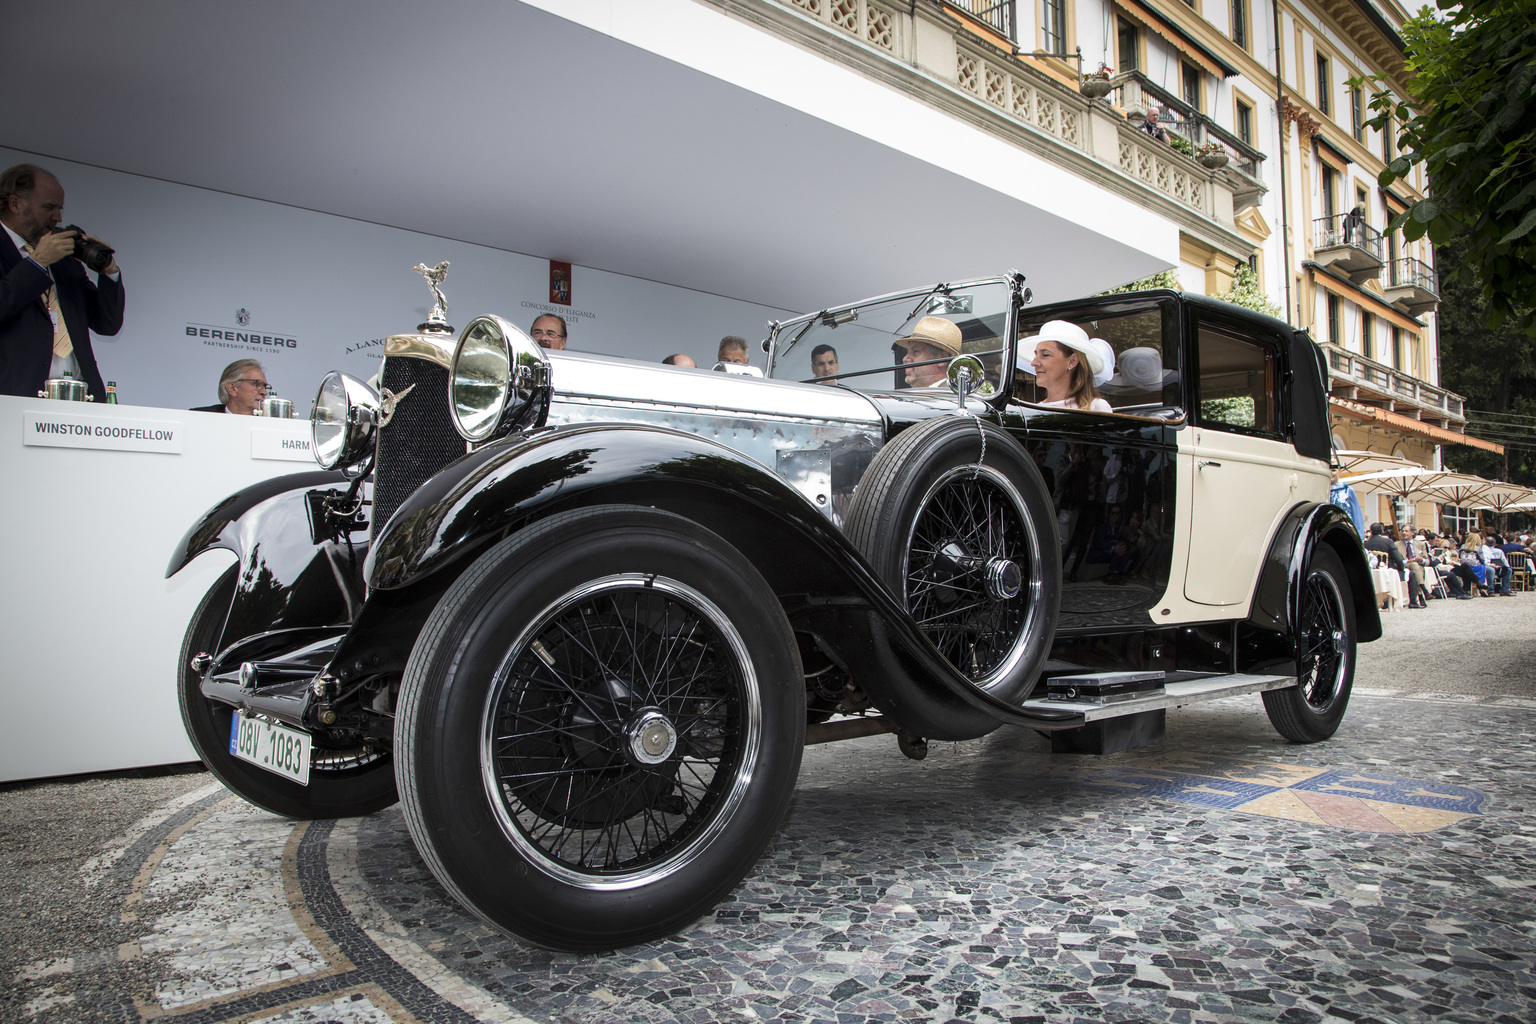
[[437, 320]]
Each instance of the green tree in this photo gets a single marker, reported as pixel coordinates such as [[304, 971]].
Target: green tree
[[1494, 369], [1471, 122], [1246, 292]]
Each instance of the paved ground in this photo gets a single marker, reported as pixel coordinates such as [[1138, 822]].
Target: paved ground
[[1387, 875]]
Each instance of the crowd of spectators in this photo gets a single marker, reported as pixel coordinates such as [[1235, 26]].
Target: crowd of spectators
[[1456, 566]]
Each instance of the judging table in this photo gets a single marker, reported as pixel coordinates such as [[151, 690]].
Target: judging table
[[98, 497]]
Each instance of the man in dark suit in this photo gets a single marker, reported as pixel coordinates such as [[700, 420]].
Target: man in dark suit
[[48, 303]]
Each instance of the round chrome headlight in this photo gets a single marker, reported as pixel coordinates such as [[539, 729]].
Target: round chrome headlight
[[495, 377], [343, 423]]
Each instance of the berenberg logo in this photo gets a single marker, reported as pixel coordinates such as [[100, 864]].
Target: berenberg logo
[[219, 336]]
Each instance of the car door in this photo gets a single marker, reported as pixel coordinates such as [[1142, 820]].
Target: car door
[[1111, 476], [1237, 465]]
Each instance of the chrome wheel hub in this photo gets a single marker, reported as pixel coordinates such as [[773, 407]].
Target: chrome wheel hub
[[650, 737]]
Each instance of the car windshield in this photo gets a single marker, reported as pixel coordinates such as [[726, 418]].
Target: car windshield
[[863, 346]]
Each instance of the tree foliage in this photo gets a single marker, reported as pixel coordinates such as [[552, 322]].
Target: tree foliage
[[1494, 370], [1471, 122], [1246, 292], [1166, 279]]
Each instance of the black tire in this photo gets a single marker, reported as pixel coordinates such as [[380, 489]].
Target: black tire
[[1325, 642], [933, 513], [600, 728], [343, 783]]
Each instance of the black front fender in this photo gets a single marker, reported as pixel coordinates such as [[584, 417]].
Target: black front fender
[[291, 574], [818, 574]]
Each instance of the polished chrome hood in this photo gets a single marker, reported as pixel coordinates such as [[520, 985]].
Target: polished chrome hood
[[819, 438]]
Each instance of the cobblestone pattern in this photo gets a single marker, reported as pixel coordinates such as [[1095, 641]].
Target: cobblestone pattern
[[993, 881]]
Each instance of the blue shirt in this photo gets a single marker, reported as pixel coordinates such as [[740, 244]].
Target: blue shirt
[[1343, 495]]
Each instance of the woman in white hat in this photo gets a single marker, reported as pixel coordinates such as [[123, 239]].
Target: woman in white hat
[[1069, 365]]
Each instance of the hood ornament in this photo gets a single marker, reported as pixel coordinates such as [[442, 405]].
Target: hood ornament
[[437, 319]]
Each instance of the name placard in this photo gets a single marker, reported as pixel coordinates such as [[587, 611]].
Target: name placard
[[72, 429], [282, 440]]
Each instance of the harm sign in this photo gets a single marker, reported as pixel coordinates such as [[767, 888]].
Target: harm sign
[[282, 440]]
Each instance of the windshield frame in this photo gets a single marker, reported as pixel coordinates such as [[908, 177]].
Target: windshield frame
[[785, 336]]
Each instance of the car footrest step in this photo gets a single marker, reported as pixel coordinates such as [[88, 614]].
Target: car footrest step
[[1112, 694]]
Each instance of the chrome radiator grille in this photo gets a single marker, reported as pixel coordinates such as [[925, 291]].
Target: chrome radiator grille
[[420, 438]]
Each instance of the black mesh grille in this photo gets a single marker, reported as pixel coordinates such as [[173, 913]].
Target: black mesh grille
[[420, 439]]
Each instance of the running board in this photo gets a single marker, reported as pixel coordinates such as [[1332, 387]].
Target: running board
[[1171, 695]]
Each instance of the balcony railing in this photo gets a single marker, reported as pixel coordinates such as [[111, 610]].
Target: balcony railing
[[1412, 286], [1355, 377], [1002, 16], [1139, 93], [1348, 243]]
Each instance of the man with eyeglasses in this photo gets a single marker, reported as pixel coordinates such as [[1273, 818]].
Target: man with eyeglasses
[[242, 386], [548, 331]]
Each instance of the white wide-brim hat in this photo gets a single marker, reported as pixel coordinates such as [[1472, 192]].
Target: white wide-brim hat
[[1097, 351]]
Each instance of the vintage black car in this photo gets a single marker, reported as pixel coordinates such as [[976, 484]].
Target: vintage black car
[[582, 614]]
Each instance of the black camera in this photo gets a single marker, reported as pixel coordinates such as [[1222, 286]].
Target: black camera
[[93, 254]]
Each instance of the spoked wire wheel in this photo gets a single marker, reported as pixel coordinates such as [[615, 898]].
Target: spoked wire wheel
[[621, 731], [1324, 637], [970, 555], [954, 516], [600, 727]]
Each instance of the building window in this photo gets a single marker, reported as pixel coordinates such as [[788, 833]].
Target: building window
[[1245, 122], [1397, 347], [1236, 387], [1253, 262], [1386, 142], [1367, 334], [1333, 319], [1330, 189], [1192, 86], [1240, 23], [1357, 113], [1324, 83], [1126, 48], [1053, 25]]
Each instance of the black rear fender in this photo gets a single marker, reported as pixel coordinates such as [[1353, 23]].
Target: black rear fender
[[1265, 638]]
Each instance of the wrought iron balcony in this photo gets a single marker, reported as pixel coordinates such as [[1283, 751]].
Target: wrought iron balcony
[[1348, 244], [1358, 379], [1412, 285], [1002, 16]]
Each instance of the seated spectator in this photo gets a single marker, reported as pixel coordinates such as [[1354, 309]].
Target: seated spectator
[[679, 359], [1492, 554], [1442, 564], [733, 350], [549, 331], [242, 386], [1417, 592], [824, 361], [1380, 543]]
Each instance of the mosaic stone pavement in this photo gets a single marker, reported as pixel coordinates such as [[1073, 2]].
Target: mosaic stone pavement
[[1388, 875]]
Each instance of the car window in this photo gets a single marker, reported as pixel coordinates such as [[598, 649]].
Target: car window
[[1237, 385], [1146, 378]]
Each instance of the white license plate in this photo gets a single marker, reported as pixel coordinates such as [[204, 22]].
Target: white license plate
[[276, 748]]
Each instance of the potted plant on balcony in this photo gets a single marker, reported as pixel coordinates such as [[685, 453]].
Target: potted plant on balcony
[[1212, 155], [1097, 84]]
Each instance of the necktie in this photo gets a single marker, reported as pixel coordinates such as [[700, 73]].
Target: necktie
[[62, 346]]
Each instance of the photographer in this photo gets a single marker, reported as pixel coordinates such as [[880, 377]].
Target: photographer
[[48, 302]]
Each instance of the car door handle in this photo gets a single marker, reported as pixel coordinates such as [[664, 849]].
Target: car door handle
[[1207, 462]]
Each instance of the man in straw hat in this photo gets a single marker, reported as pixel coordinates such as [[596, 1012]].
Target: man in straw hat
[[933, 338]]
